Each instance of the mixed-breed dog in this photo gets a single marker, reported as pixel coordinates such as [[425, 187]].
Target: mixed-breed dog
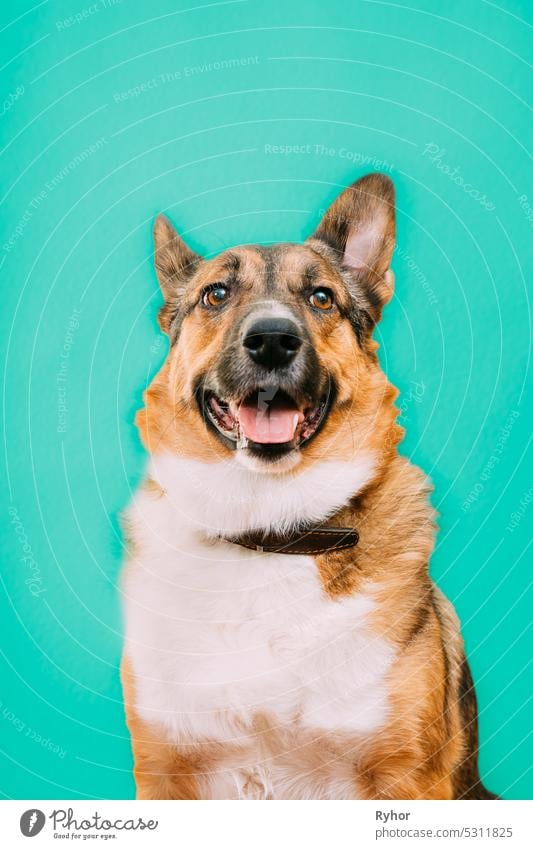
[[283, 637]]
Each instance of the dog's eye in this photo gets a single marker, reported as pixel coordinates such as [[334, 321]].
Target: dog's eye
[[215, 296], [321, 299]]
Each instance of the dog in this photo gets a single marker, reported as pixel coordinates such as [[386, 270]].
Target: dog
[[283, 639]]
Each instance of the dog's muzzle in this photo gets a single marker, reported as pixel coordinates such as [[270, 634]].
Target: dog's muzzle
[[268, 392]]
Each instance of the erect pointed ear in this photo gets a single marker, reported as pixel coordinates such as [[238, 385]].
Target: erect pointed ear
[[360, 227], [174, 265]]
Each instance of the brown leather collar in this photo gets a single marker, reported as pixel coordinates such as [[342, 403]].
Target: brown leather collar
[[316, 540]]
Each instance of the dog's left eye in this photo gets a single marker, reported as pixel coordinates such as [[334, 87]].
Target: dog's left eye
[[215, 296], [321, 299]]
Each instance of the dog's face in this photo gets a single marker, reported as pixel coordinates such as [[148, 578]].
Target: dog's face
[[271, 357]]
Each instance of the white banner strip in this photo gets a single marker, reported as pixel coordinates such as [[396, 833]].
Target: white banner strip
[[268, 825]]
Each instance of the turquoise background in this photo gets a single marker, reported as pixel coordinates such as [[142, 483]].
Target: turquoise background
[[438, 101]]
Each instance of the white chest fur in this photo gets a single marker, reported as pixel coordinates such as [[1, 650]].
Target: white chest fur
[[217, 634]]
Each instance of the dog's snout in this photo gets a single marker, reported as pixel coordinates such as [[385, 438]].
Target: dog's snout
[[273, 342]]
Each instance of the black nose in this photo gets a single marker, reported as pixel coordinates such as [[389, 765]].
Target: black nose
[[272, 342]]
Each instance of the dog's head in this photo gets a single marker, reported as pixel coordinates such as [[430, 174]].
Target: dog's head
[[271, 354]]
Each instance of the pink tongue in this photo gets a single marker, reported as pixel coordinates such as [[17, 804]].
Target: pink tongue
[[273, 425]]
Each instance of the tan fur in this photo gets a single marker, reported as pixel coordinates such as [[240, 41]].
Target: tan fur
[[160, 771]]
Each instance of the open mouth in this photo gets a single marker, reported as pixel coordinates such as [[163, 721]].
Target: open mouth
[[268, 419]]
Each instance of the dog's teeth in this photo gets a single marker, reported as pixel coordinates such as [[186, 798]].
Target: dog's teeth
[[295, 420], [242, 442]]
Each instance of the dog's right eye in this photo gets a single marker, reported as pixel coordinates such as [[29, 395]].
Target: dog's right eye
[[215, 296]]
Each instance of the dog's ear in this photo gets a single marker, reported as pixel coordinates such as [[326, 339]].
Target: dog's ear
[[174, 265], [360, 227]]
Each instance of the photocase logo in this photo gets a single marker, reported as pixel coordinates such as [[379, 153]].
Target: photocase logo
[[63, 823], [32, 822]]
